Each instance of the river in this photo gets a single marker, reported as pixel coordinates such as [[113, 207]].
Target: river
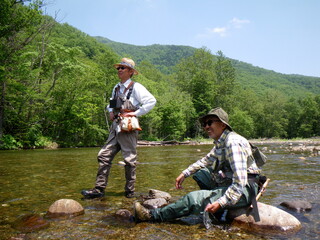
[[31, 180]]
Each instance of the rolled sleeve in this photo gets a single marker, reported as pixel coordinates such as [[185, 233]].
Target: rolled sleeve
[[206, 161], [145, 99]]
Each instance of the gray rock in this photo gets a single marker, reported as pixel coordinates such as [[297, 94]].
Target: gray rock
[[153, 193], [65, 208], [272, 220], [155, 203], [298, 205]]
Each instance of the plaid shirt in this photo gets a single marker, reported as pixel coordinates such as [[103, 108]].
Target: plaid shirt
[[237, 153]]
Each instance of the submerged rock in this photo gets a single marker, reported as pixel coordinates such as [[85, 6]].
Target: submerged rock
[[21, 236], [30, 223], [272, 220], [65, 208], [122, 218], [124, 213], [298, 205]]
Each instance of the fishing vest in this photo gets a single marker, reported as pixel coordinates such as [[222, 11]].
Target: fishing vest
[[122, 102]]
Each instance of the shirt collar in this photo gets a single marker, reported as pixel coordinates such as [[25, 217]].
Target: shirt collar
[[126, 84], [222, 138]]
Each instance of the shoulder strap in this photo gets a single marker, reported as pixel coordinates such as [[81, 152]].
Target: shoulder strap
[[116, 91], [130, 87]]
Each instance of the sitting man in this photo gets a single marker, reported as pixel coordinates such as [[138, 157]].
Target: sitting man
[[227, 175]]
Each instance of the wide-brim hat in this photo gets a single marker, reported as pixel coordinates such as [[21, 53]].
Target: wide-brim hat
[[127, 62], [219, 113]]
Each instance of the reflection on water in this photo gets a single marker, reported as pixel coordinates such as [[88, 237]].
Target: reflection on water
[[32, 180]]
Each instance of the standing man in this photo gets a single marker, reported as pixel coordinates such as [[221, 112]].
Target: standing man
[[231, 180], [129, 99]]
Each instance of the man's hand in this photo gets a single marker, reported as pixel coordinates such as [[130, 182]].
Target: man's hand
[[179, 181], [213, 207], [128, 114], [111, 116]]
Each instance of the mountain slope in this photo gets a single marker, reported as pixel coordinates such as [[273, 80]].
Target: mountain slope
[[165, 57]]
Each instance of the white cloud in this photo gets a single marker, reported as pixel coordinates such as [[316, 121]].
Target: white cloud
[[210, 32], [224, 31], [238, 23], [221, 31]]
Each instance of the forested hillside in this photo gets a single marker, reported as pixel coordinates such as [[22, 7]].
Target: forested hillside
[[165, 57], [55, 82]]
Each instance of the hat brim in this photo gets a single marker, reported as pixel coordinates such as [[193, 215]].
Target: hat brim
[[203, 118], [135, 72]]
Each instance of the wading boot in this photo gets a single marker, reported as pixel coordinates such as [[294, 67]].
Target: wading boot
[[141, 213], [92, 193], [129, 194]]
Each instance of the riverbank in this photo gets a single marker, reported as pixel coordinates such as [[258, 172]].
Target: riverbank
[[261, 141]]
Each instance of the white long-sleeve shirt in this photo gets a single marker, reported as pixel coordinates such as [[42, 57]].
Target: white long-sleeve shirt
[[140, 97]]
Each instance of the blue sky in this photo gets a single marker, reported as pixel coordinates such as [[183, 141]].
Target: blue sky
[[279, 35]]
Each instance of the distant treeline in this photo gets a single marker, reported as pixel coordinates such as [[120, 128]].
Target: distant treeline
[[55, 82]]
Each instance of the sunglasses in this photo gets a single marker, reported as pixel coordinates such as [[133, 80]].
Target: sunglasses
[[122, 68], [209, 122]]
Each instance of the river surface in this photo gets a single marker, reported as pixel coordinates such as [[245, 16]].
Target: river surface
[[31, 180]]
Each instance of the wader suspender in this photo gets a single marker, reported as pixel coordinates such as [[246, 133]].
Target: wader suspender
[[130, 87]]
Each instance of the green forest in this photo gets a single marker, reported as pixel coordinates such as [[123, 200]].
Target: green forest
[[55, 82]]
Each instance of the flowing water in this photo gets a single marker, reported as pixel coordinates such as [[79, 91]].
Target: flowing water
[[31, 180]]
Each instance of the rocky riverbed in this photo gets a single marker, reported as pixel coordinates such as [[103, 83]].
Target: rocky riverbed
[[310, 146]]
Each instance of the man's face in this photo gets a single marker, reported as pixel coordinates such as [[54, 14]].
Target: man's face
[[124, 73], [214, 127]]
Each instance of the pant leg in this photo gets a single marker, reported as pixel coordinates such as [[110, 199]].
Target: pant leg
[[191, 203], [128, 145], [105, 157], [204, 179], [195, 203]]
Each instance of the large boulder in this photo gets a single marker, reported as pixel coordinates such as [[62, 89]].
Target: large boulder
[[272, 220], [65, 208]]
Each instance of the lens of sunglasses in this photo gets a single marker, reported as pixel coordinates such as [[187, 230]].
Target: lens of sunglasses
[[209, 122], [122, 68]]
